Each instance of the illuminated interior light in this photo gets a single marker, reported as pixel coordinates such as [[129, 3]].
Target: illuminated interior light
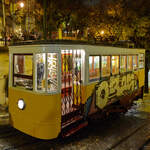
[[21, 4]]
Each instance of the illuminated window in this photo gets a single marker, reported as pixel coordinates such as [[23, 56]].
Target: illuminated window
[[129, 63], [52, 68], [115, 64], [141, 60], [105, 61], [23, 71], [47, 83], [123, 64], [135, 62], [94, 70], [40, 71], [67, 65]]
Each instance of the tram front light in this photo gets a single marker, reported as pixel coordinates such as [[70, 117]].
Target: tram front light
[[21, 104]]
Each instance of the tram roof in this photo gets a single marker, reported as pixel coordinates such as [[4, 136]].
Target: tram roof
[[56, 45], [71, 42]]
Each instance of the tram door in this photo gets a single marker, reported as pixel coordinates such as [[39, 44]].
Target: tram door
[[71, 84]]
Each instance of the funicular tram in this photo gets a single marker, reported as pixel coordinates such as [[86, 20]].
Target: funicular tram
[[55, 87]]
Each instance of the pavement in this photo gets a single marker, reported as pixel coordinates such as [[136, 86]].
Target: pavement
[[4, 115], [143, 105]]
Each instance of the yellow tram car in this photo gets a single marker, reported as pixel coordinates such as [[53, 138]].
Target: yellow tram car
[[55, 87]]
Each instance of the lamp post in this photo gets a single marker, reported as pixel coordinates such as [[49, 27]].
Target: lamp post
[[44, 19], [4, 21], [21, 6], [13, 9], [13, 24]]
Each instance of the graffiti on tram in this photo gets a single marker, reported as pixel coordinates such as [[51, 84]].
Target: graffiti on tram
[[108, 90]]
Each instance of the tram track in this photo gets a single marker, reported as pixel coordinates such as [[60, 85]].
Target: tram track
[[108, 137], [146, 145], [16, 140], [115, 145], [134, 141], [7, 132]]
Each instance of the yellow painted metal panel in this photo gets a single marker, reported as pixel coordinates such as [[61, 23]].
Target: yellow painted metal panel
[[141, 76], [87, 91], [41, 117]]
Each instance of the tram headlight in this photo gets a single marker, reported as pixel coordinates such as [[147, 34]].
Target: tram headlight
[[21, 104]]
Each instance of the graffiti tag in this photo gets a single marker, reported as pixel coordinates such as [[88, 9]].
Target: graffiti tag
[[107, 90]]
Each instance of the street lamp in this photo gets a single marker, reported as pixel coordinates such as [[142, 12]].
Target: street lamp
[[4, 22], [21, 4], [102, 32]]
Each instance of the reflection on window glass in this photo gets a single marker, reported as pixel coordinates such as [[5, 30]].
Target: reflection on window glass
[[141, 60], [40, 69], [115, 64], [123, 64], [18, 64], [23, 75], [23, 82], [129, 63], [105, 61], [23, 64], [52, 72], [135, 62], [94, 70]]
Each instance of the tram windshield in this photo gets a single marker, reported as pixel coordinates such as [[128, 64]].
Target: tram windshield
[[45, 78]]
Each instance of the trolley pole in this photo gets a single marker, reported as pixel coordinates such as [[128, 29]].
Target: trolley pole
[[4, 21]]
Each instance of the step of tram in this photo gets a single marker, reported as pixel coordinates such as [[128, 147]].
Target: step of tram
[[73, 127], [4, 119]]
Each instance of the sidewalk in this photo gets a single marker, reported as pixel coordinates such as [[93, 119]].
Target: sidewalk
[[4, 115], [144, 105]]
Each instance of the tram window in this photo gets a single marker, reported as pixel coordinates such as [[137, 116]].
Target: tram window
[[141, 60], [67, 68], [115, 64], [105, 69], [40, 71], [135, 62], [129, 63], [94, 67], [52, 66], [23, 72], [123, 64]]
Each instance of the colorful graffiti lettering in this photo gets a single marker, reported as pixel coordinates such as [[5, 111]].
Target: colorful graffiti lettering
[[116, 86]]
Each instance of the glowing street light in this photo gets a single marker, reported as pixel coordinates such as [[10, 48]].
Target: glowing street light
[[21, 4], [102, 32]]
